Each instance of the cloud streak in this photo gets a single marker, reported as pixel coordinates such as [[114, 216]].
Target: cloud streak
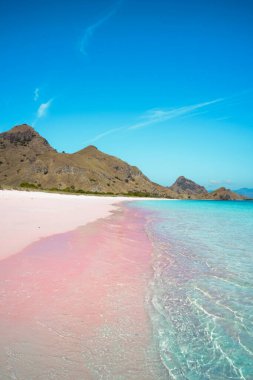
[[91, 29], [106, 133], [159, 116], [153, 117], [43, 108], [42, 111], [220, 182]]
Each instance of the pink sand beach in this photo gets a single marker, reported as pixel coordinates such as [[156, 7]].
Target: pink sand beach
[[73, 304], [28, 216]]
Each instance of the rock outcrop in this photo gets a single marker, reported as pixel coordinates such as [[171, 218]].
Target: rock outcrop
[[224, 194], [186, 188]]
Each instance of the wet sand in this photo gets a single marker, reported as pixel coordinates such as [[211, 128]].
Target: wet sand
[[73, 306]]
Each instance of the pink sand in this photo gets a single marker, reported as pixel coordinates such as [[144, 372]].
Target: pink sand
[[73, 305], [29, 216]]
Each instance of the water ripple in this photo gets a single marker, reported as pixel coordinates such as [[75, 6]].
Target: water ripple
[[202, 292]]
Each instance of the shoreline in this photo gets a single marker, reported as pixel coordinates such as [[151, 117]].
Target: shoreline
[[78, 301], [32, 215]]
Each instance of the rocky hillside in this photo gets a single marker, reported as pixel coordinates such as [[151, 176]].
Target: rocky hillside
[[224, 194], [27, 160], [186, 188]]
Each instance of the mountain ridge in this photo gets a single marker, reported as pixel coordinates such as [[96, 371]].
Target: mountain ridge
[[27, 160]]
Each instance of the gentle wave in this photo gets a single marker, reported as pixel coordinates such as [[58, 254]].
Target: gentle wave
[[201, 297]]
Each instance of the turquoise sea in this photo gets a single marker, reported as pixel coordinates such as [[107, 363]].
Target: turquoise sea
[[201, 297]]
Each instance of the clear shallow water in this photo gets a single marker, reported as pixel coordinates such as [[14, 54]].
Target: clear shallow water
[[202, 292]]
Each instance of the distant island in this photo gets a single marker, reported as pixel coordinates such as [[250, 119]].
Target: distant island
[[27, 161], [245, 192]]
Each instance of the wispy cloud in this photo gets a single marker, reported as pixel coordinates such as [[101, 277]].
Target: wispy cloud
[[90, 30], [43, 108], [156, 116], [36, 94], [42, 111], [221, 182], [103, 134]]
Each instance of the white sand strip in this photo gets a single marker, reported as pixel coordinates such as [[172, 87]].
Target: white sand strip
[[25, 217]]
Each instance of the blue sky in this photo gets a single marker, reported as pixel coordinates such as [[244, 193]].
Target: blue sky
[[165, 85]]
